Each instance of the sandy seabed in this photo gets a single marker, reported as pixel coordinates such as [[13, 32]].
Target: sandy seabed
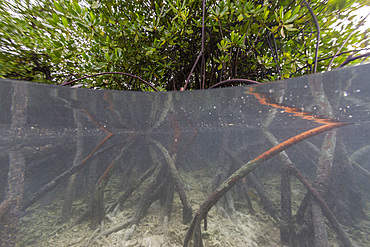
[[45, 228]]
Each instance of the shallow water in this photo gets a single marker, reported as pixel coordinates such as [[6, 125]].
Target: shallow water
[[105, 168]]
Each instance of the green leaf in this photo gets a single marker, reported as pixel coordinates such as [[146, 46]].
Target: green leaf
[[150, 52], [291, 19], [286, 55], [172, 7], [57, 44], [85, 56], [273, 30], [107, 57], [118, 52], [341, 4], [224, 11], [265, 14], [95, 5], [77, 7], [55, 60], [282, 32], [296, 10], [57, 53], [281, 14], [58, 6], [287, 15], [55, 18], [240, 17], [51, 21], [65, 22], [293, 68], [148, 29], [290, 27], [92, 16]]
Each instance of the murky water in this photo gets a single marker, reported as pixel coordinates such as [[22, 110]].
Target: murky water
[[106, 168]]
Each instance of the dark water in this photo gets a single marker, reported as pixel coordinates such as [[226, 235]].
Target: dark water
[[104, 168]]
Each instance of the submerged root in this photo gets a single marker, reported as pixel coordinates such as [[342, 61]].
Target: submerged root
[[256, 184]]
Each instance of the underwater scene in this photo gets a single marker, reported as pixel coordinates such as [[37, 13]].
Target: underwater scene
[[276, 164]]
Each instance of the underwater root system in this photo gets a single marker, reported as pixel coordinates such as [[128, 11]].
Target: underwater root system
[[195, 227]]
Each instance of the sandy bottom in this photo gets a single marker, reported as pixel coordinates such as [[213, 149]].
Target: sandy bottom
[[44, 227]]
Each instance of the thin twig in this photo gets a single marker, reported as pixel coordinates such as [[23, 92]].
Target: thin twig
[[92, 236], [191, 72], [276, 58], [276, 50], [340, 54], [247, 81], [115, 228], [108, 73], [318, 35], [201, 51], [350, 59], [345, 41]]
